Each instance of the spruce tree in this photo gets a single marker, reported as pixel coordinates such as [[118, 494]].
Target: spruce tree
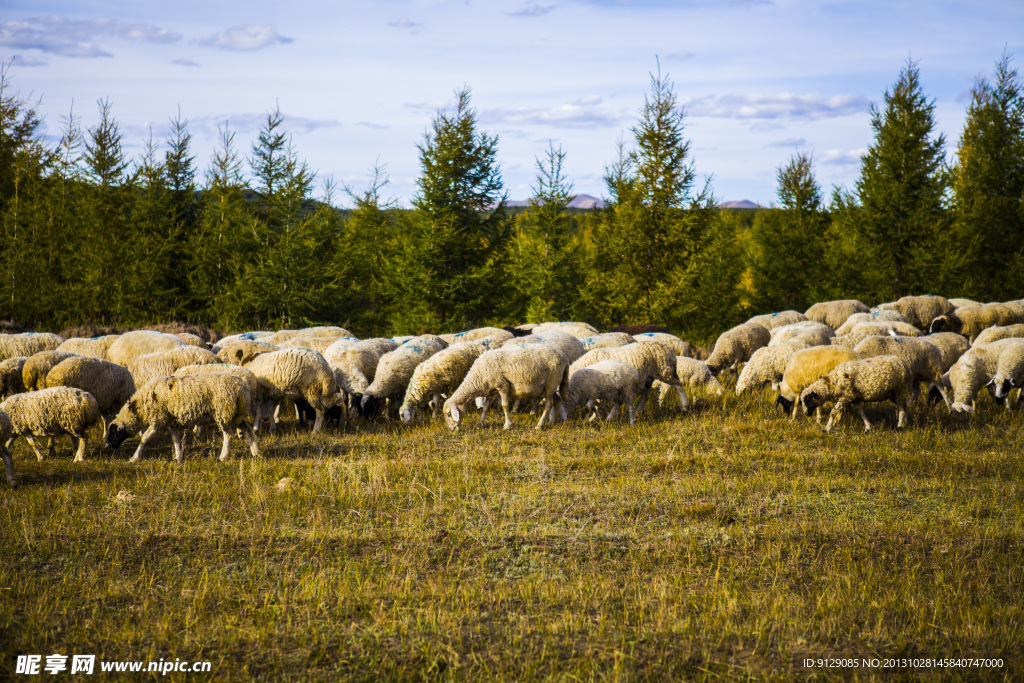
[[988, 186], [183, 216], [901, 192], [787, 243]]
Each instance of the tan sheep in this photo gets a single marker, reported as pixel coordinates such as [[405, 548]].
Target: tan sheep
[[973, 320], [780, 319], [922, 357], [33, 373], [393, 372], [835, 313], [95, 347], [50, 413], [164, 363], [27, 344], [109, 383], [296, 373], [882, 378], [130, 345], [950, 344], [237, 353], [919, 311], [992, 334], [11, 380], [806, 367], [736, 345], [439, 376]]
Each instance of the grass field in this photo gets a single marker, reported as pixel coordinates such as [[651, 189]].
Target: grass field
[[727, 543]]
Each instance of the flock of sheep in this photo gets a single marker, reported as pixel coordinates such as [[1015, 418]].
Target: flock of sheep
[[838, 352]]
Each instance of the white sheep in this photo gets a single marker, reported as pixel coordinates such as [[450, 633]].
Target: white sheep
[[736, 345], [394, 370], [887, 327], [973, 320], [576, 329], [807, 366], [50, 413], [515, 373], [164, 363], [922, 357], [439, 376], [976, 368], [652, 360], [27, 344], [919, 311], [882, 378], [109, 383], [607, 340], [808, 332], [999, 332], [1009, 370], [95, 347], [950, 344], [326, 331], [242, 351], [138, 343], [7, 434], [607, 384], [192, 340], [35, 369], [495, 333], [964, 303], [692, 374], [835, 313], [779, 319], [766, 366], [681, 347], [256, 390], [243, 336], [296, 373], [11, 381], [872, 317], [182, 403]]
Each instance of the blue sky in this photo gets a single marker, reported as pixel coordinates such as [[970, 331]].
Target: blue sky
[[358, 82]]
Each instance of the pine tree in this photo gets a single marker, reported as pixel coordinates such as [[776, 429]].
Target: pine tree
[[183, 217], [457, 227], [988, 186], [788, 242], [901, 192]]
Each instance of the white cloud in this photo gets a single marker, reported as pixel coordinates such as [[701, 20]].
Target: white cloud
[[842, 157], [789, 142], [680, 56], [404, 22], [533, 10], [583, 113], [244, 123], [185, 62], [244, 38], [74, 38], [784, 106], [24, 60], [377, 126]]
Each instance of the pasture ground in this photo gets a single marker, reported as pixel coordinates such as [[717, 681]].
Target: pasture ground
[[727, 543]]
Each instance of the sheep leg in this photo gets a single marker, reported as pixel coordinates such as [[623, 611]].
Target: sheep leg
[[632, 414], [837, 414], [613, 413], [817, 414], [544, 408], [146, 436], [177, 437], [944, 393], [483, 414], [867, 423], [256, 417], [250, 438], [5, 453], [225, 451], [49, 447], [32, 443], [79, 447], [901, 418], [684, 400], [319, 424], [505, 405], [796, 406]]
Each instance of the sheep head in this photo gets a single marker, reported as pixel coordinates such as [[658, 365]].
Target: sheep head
[[785, 403], [453, 415]]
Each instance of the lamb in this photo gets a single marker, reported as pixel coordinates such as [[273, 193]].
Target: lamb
[[920, 311], [950, 344], [922, 358], [11, 381], [35, 369], [872, 317], [52, 412], [236, 352], [735, 346], [806, 367], [809, 332], [394, 370], [296, 373], [882, 378], [973, 320], [780, 319], [652, 360], [96, 347], [439, 376], [252, 383], [27, 344], [692, 373], [1009, 370], [163, 363], [109, 383], [607, 384], [181, 403], [766, 366], [6, 435], [517, 372], [835, 313], [992, 334], [138, 343]]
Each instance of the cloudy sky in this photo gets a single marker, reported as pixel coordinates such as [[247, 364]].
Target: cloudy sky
[[358, 82]]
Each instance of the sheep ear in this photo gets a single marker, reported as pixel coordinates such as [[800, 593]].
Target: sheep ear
[[456, 414], [238, 355], [990, 382]]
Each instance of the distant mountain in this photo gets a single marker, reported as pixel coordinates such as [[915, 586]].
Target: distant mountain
[[741, 204], [580, 201]]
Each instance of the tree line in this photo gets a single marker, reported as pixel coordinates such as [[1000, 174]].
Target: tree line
[[91, 236]]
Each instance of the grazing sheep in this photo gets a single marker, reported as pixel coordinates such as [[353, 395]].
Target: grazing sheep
[[252, 383], [973, 320], [576, 329], [872, 317], [96, 347], [130, 345], [192, 340], [950, 344], [964, 303], [864, 330], [680, 346], [27, 344], [992, 334], [808, 332], [296, 373], [182, 403], [835, 313], [318, 344], [1009, 370], [976, 368], [735, 346], [515, 373], [766, 366], [355, 367], [52, 412], [495, 333], [920, 311], [439, 376], [882, 378], [652, 360], [109, 383], [11, 381], [568, 344], [164, 363], [7, 434], [327, 331], [608, 340], [244, 336], [33, 373], [339, 345], [887, 327], [639, 329], [607, 384], [692, 374], [237, 352], [780, 319], [922, 357], [807, 366], [394, 370]]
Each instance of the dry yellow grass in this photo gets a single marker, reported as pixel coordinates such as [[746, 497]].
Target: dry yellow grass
[[726, 543]]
